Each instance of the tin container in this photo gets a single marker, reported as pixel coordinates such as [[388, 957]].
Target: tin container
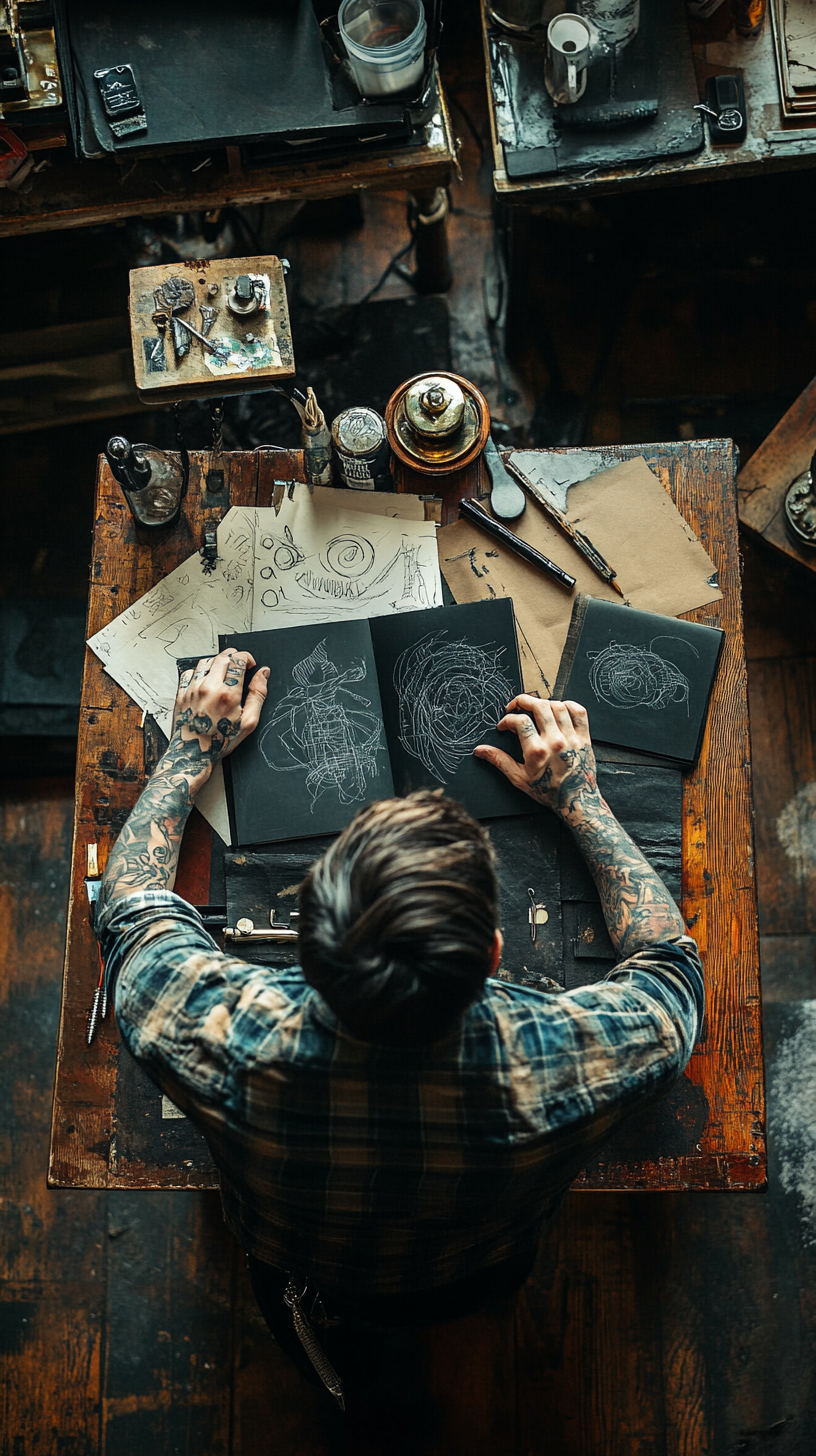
[[361, 449]]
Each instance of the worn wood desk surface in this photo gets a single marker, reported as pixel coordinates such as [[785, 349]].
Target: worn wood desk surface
[[771, 145], [78, 194], [108, 1129]]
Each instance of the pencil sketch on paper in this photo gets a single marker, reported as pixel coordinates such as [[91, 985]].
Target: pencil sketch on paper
[[450, 692], [625, 676], [323, 565], [281, 553], [322, 726], [349, 559]]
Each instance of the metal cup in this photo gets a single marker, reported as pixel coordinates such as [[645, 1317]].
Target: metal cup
[[569, 40]]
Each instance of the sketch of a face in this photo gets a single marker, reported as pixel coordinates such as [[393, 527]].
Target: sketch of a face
[[316, 727], [449, 694]]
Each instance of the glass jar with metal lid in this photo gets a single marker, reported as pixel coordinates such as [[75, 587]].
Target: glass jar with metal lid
[[361, 449]]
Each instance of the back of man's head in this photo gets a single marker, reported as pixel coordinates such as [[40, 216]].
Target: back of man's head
[[398, 919]]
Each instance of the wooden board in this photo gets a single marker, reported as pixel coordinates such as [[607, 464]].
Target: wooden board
[[108, 1129], [763, 484], [83, 194], [264, 335]]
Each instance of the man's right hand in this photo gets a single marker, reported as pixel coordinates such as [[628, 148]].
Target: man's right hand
[[559, 771], [559, 764]]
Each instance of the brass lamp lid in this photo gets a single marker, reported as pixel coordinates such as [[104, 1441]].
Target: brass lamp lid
[[434, 407], [437, 422]]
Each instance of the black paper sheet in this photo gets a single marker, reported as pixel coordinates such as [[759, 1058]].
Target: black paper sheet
[[421, 689], [319, 752], [446, 676]]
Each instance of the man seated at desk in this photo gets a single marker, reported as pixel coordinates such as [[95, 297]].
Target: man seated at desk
[[394, 1128]]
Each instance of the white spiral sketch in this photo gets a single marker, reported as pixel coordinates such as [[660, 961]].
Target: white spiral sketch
[[450, 693], [314, 727], [627, 676]]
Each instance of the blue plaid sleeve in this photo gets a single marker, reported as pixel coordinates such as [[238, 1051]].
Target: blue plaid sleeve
[[194, 1017]]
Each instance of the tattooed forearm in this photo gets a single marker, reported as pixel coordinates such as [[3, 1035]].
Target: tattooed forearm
[[637, 907], [145, 856]]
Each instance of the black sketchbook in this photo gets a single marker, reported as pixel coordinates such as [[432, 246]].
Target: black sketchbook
[[644, 679], [358, 711]]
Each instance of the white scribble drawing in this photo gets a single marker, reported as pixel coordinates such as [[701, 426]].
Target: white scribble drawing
[[450, 693], [343, 584], [315, 727], [625, 676]]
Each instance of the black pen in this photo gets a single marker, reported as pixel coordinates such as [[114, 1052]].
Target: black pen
[[486, 523]]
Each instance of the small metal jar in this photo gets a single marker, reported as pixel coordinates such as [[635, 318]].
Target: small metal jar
[[361, 449], [437, 423]]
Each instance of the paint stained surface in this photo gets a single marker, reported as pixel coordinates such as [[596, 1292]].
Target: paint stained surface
[[796, 831], [792, 1111]]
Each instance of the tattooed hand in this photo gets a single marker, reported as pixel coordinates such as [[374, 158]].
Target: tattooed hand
[[559, 771], [208, 706], [209, 723], [559, 765]]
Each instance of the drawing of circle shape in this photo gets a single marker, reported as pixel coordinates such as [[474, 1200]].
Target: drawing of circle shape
[[349, 556], [266, 572], [286, 556], [268, 542], [626, 676], [269, 597]]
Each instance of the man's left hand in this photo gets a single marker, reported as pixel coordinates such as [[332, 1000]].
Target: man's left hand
[[208, 706]]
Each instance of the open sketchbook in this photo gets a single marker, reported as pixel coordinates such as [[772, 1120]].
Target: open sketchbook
[[644, 679], [313, 560], [358, 711]]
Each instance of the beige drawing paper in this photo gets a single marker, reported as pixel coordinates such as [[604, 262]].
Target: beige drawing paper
[[317, 563], [181, 617], [660, 564], [400, 505]]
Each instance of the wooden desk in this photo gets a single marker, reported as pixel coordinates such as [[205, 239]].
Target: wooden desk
[[772, 145], [78, 194], [108, 1130]]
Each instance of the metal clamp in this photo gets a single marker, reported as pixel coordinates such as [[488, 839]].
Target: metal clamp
[[245, 930]]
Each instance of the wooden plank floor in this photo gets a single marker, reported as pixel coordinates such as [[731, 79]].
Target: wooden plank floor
[[654, 1325]]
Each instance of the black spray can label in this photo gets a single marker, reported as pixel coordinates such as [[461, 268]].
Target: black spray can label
[[361, 449]]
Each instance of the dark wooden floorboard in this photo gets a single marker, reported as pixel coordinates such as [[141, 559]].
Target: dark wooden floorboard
[[52, 1299]]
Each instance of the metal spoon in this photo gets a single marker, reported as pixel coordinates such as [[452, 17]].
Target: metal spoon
[[507, 499]]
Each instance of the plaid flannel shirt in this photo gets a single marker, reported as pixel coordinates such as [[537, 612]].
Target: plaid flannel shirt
[[382, 1170]]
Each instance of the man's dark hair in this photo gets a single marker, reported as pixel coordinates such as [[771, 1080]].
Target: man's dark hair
[[398, 918]]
